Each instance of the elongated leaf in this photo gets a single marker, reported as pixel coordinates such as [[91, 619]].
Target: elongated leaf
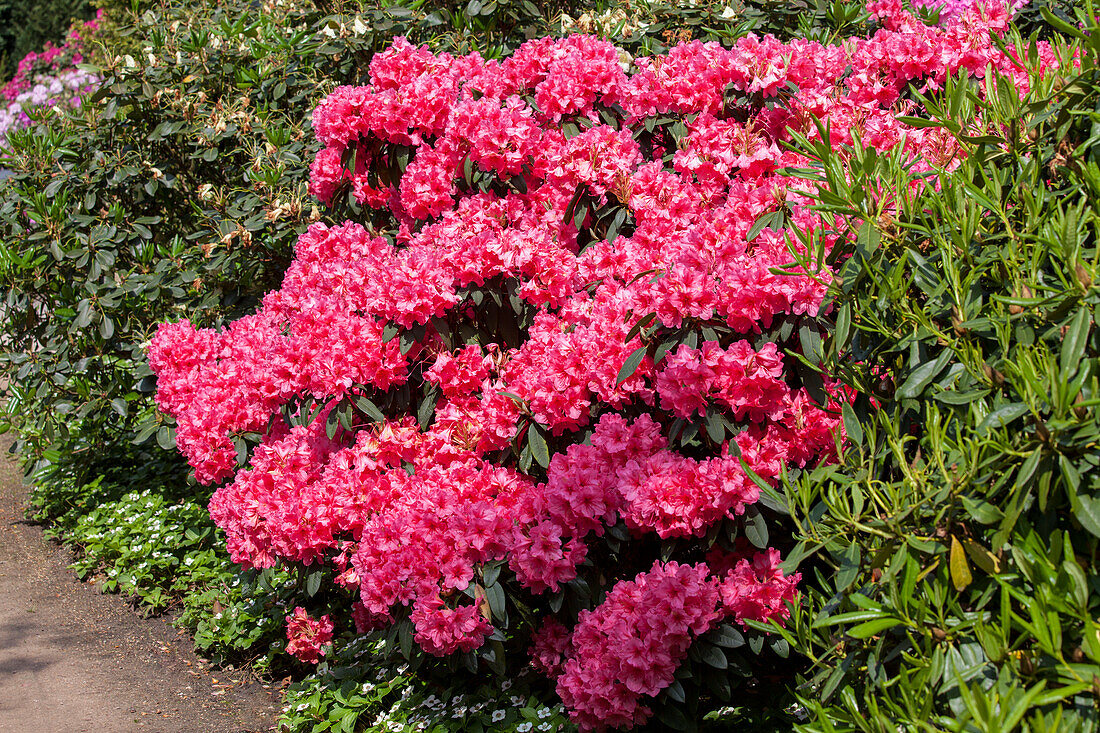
[[960, 568], [756, 529], [1073, 345], [673, 718], [982, 557], [849, 567], [716, 427], [1002, 416], [727, 636], [367, 407], [851, 424], [712, 656], [847, 618], [769, 497], [1088, 514], [950, 397], [631, 365], [922, 376], [313, 583], [494, 595], [843, 326], [873, 627], [166, 437], [537, 443]]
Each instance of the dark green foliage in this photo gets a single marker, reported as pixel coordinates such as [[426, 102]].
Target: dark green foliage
[[27, 25], [178, 191], [953, 556]]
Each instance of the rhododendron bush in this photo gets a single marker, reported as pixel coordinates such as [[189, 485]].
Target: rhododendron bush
[[537, 396]]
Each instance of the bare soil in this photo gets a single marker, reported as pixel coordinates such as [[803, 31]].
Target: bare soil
[[74, 660]]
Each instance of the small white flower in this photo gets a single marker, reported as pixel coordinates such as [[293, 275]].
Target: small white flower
[[544, 726], [524, 727], [544, 713], [506, 685], [498, 715]]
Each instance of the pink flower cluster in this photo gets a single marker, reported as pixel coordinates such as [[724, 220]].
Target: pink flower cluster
[[306, 635], [631, 645], [493, 321], [48, 79]]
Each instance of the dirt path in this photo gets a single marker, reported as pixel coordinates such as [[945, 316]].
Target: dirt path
[[75, 660]]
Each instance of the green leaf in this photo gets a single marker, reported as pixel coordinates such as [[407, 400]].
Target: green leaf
[[873, 627], [1088, 513], [851, 424], [981, 510], [868, 238], [673, 718], [490, 573], [368, 408], [917, 121], [166, 438], [313, 583], [616, 224], [769, 497], [537, 442], [843, 326], [922, 376], [580, 215], [716, 427], [756, 529], [846, 618], [849, 567], [950, 397], [758, 226], [631, 365], [494, 595], [1074, 342], [1002, 416], [427, 409], [727, 636], [712, 656]]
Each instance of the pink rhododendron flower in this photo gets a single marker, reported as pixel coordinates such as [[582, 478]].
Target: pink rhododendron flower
[[307, 635], [505, 377]]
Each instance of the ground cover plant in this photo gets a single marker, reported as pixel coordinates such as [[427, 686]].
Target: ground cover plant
[[542, 394]]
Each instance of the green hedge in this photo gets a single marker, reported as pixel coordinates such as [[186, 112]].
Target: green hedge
[[953, 557]]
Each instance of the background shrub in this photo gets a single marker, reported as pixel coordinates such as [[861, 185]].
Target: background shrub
[[25, 27]]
